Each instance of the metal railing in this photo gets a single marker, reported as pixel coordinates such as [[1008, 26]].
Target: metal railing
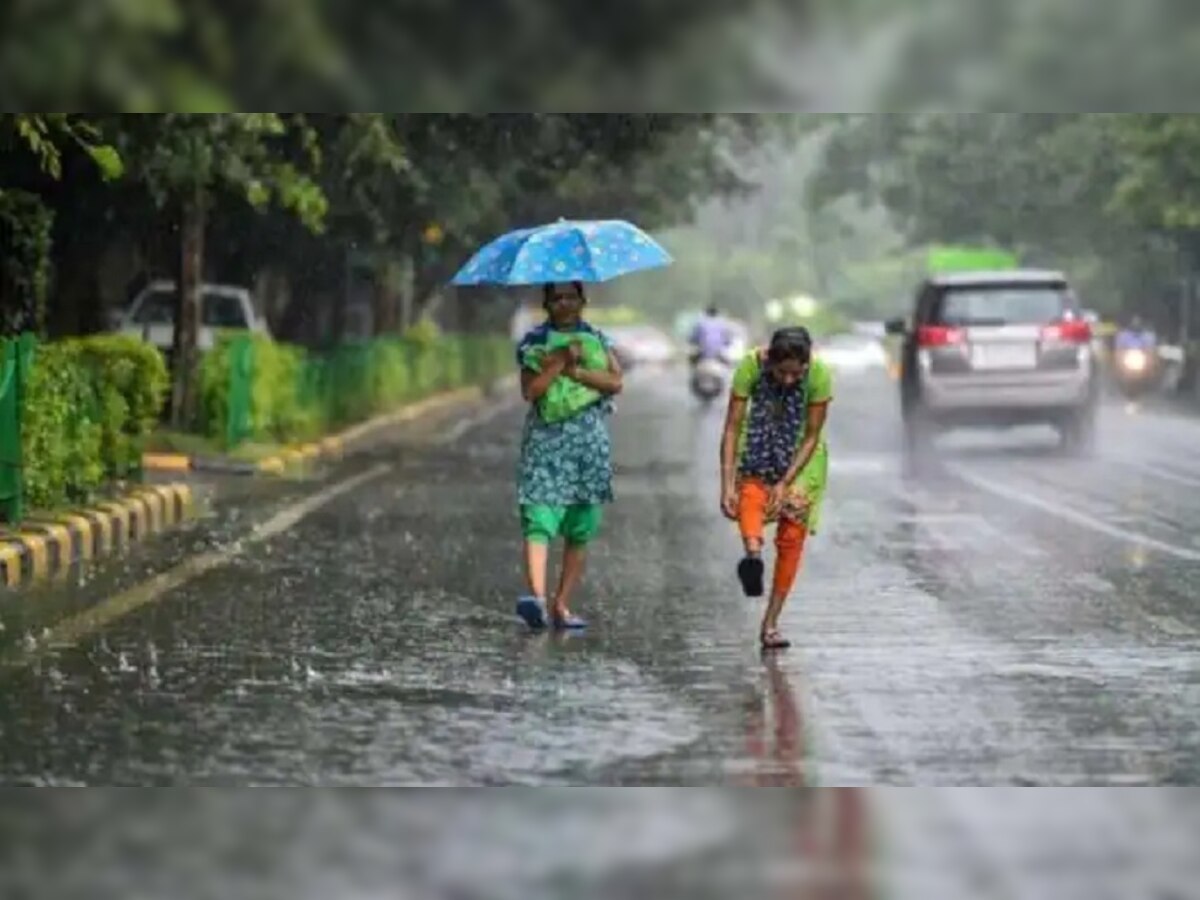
[[16, 357]]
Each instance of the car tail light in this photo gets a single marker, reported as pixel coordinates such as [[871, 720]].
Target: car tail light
[[939, 336], [1072, 332]]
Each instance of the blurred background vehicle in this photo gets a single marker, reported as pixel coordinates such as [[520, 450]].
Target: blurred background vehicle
[[708, 379], [151, 314], [1136, 371], [997, 350], [642, 345], [851, 352]]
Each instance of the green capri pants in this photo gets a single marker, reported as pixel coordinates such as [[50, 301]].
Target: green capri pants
[[578, 524]]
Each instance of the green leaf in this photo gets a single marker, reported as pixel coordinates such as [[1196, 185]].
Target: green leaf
[[108, 160], [257, 194]]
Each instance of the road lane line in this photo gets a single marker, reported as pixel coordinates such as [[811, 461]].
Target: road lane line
[[1075, 517], [462, 426], [1164, 474], [74, 628], [1170, 625]]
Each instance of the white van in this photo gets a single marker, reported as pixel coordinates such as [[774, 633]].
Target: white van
[[151, 315]]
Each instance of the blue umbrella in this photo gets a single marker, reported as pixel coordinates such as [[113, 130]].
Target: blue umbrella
[[565, 251]]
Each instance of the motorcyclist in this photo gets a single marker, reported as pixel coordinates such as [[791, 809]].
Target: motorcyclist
[[711, 336], [1135, 358], [1135, 336]]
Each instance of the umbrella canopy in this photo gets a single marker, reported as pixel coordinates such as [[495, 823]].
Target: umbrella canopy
[[587, 251]]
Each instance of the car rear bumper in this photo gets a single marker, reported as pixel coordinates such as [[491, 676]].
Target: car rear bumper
[[1033, 393]]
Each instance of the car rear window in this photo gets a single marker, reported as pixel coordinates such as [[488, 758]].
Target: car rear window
[[157, 309], [221, 311], [216, 311], [1003, 305]]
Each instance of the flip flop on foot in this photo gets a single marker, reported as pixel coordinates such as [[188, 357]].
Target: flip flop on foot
[[568, 622], [750, 574], [533, 612], [773, 640]]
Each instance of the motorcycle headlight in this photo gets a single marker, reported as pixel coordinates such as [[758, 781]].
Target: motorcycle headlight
[[1134, 361]]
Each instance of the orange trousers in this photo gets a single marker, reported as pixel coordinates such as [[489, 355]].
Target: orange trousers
[[790, 535]]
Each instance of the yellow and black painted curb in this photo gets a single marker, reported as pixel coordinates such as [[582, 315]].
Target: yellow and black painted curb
[[332, 448], [46, 547]]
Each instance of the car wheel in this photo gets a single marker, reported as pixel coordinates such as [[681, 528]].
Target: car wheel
[[919, 433], [1078, 432]]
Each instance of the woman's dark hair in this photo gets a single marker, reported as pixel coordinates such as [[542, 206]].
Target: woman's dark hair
[[790, 343], [548, 292]]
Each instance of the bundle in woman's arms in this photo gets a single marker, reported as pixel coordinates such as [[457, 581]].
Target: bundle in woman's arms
[[566, 397]]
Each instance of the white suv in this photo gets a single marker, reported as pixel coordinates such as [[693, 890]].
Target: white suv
[[151, 315], [997, 349]]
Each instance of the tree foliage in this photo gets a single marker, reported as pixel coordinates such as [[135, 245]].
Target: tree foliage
[[1115, 198], [402, 198]]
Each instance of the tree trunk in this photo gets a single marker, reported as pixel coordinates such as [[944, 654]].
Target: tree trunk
[[407, 300], [187, 311], [428, 280], [387, 296]]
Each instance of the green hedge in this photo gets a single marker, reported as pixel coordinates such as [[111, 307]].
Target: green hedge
[[293, 395], [90, 404], [273, 409]]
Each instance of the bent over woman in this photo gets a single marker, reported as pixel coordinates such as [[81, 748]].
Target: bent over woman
[[774, 462]]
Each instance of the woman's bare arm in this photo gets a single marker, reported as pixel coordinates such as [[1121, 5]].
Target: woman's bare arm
[[734, 415], [535, 384], [814, 424], [610, 381]]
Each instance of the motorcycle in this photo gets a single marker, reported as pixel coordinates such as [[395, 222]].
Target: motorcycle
[[709, 376], [1136, 371]]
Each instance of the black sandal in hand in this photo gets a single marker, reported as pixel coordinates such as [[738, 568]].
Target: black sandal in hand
[[750, 573]]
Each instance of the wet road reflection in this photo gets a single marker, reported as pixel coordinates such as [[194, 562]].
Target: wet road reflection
[[946, 632], [829, 838], [775, 732]]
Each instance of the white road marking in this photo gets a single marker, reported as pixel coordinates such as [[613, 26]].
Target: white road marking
[[860, 465], [73, 629], [462, 426], [1164, 474], [1169, 625], [1067, 514]]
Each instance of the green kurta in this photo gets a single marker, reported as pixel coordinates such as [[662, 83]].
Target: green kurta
[[812, 479]]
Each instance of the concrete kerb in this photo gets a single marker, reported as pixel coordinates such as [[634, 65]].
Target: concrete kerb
[[46, 547], [333, 447]]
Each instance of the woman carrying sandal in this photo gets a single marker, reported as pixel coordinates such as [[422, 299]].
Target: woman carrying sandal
[[774, 462], [569, 375]]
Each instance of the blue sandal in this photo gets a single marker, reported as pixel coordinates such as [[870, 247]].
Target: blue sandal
[[532, 612], [570, 623]]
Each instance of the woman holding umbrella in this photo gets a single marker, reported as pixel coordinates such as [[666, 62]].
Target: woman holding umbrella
[[569, 376]]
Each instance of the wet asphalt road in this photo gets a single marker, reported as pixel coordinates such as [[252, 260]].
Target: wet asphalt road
[[1008, 617]]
